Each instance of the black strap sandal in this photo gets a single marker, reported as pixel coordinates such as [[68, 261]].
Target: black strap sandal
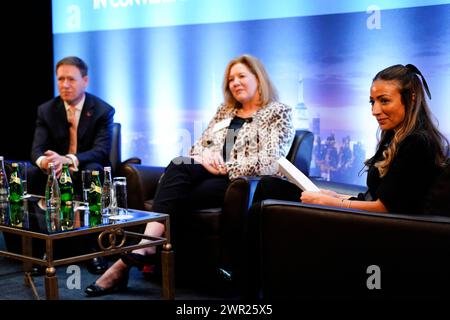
[[138, 260]]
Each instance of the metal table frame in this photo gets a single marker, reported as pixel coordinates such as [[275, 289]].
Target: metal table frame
[[109, 232]]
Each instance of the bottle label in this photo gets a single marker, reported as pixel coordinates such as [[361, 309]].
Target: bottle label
[[95, 188], [65, 179], [15, 179]]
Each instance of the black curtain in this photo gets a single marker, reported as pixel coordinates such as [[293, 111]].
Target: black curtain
[[27, 54]]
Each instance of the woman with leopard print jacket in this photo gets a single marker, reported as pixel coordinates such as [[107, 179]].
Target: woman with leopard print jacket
[[249, 132], [263, 138]]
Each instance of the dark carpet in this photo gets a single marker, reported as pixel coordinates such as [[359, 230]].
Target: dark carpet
[[12, 285]]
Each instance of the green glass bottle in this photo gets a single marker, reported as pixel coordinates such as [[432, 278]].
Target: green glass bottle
[[52, 192], [53, 220], [95, 200], [65, 185], [16, 214], [15, 185], [67, 216], [4, 194], [107, 193], [52, 200]]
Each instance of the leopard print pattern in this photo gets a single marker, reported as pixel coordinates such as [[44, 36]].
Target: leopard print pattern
[[259, 143]]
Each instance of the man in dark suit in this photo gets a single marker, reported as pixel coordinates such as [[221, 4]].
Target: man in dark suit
[[74, 128]]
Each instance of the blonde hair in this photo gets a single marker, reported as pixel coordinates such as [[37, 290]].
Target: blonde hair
[[417, 116], [266, 89]]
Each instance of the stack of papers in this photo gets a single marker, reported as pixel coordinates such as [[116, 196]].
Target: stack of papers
[[296, 176]]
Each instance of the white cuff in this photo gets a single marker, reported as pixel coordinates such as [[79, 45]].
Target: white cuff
[[75, 161], [39, 160]]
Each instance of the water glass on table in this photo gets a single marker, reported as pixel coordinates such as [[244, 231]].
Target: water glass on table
[[120, 195], [23, 167], [85, 185]]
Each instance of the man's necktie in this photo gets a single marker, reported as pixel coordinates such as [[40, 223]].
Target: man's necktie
[[72, 130]]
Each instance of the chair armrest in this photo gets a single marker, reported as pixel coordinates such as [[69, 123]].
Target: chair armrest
[[134, 160], [120, 167], [238, 199], [302, 208], [329, 250], [142, 182], [240, 193], [233, 220]]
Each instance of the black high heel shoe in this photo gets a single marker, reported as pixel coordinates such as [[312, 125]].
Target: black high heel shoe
[[95, 290], [138, 260]]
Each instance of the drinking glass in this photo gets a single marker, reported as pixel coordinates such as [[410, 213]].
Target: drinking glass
[[85, 185], [120, 192], [23, 166]]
